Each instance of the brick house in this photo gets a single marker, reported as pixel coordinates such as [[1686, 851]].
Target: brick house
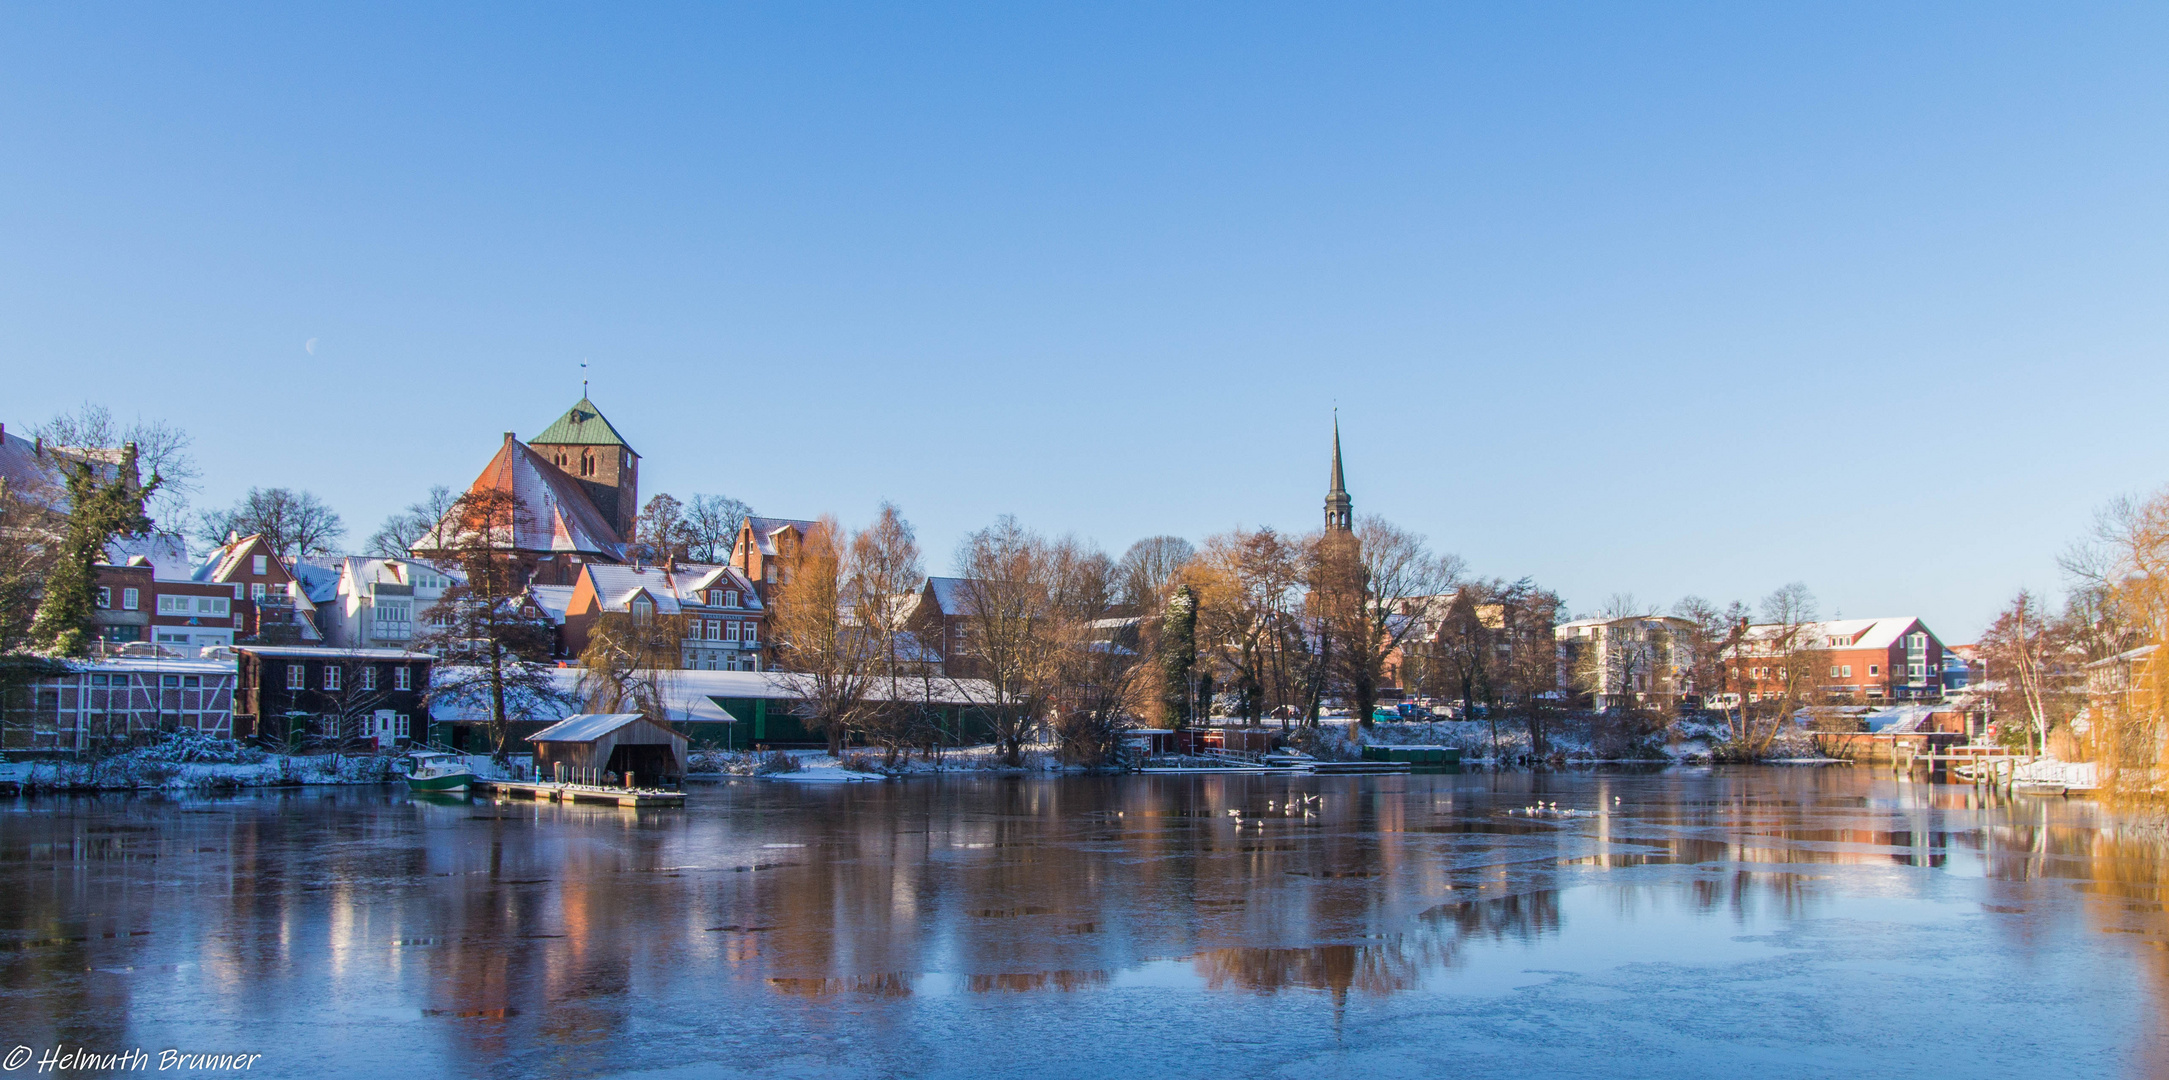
[[761, 546], [270, 605], [1863, 661], [717, 610], [310, 696], [144, 594]]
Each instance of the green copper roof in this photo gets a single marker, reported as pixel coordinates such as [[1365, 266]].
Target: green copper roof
[[582, 425]]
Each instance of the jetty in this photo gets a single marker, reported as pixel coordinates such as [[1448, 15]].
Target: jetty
[[548, 791]]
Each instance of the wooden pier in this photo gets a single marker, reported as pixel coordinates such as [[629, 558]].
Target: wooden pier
[[638, 798]]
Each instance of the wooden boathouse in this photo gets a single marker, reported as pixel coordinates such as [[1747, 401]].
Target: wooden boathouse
[[595, 744]]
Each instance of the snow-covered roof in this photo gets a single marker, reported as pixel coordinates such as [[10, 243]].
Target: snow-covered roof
[[552, 601], [671, 587], [585, 727], [357, 572], [555, 514], [1846, 633], [690, 696], [765, 530], [319, 652], [319, 581], [952, 594], [167, 555]]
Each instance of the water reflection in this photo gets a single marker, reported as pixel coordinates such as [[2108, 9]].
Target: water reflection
[[515, 937]]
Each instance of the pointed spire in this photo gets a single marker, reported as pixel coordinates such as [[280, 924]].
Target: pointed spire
[[1339, 508]]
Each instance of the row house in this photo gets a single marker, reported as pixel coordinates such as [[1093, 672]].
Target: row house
[[718, 612], [307, 697], [1865, 661], [1628, 661], [110, 703], [145, 594], [381, 603], [270, 604]]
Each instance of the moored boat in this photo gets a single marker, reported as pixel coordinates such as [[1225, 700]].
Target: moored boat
[[439, 773]]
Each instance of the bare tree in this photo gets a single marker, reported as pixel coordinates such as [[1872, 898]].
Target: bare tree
[[1777, 661], [165, 450], [1149, 569], [494, 655], [1093, 684], [1010, 630], [294, 524], [885, 569], [1246, 584], [711, 525], [396, 538], [659, 533], [2034, 656], [813, 637], [1361, 582], [1528, 675]]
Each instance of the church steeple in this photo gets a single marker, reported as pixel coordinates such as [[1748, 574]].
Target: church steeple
[[1339, 508]]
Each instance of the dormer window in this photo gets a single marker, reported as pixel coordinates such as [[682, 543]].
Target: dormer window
[[715, 598], [643, 610], [730, 598]]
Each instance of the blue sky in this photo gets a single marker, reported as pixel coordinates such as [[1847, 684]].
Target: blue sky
[[1656, 299]]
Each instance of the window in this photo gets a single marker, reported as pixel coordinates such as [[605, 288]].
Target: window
[[715, 598], [192, 680], [402, 727], [237, 622], [643, 610], [257, 591], [130, 599], [169, 680], [402, 678], [587, 462], [730, 598], [1833, 671], [730, 631], [1875, 669], [771, 575], [259, 564], [105, 596], [331, 676], [297, 675], [97, 680], [1916, 671], [369, 677], [713, 630], [1846, 671], [212, 605]]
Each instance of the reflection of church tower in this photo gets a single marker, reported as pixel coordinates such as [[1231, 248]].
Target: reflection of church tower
[[588, 449], [1339, 508]]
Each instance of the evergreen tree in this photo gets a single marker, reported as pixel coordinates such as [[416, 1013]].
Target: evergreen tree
[[1178, 654], [97, 512]]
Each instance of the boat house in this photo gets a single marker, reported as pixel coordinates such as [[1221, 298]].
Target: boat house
[[618, 743]]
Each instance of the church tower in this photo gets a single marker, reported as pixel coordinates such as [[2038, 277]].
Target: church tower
[[1339, 508], [584, 445]]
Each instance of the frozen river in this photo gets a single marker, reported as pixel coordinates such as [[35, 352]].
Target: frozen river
[[1774, 922]]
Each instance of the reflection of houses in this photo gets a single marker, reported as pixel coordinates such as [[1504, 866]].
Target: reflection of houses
[[297, 695], [106, 704], [1625, 662], [712, 609]]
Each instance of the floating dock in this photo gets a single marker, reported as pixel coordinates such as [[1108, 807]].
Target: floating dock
[[580, 793]]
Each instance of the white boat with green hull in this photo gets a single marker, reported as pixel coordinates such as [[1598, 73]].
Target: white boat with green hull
[[439, 773]]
